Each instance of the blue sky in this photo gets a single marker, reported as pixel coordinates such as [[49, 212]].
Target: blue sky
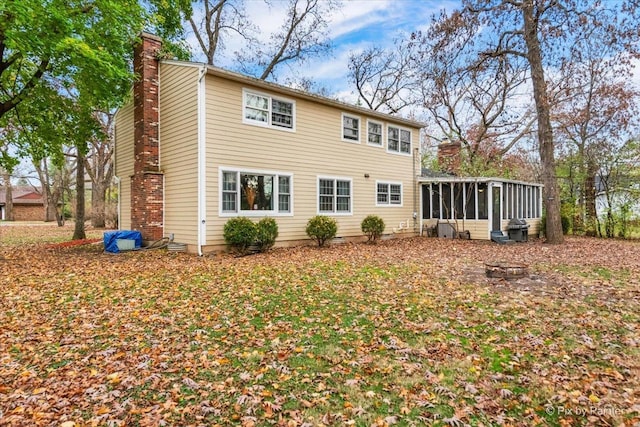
[[356, 26]]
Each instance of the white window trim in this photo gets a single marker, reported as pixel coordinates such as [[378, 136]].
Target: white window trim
[[268, 124], [254, 214], [352, 116], [381, 145], [400, 128], [334, 178], [390, 205]]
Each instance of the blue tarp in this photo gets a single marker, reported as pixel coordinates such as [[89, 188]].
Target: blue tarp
[[110, 239]]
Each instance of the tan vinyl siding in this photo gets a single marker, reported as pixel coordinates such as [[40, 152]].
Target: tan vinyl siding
[[315, 149], [124, 162], [179, 150]]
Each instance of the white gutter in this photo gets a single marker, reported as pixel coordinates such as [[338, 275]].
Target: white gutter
[[202, 164], [117, 178]]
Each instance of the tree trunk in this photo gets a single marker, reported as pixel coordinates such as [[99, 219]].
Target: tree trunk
[[43, 173], [98, 197], [79, 232], [590, 198], [545, 134], [8, 206]]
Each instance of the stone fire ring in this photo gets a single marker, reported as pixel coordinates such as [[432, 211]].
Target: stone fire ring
[[506, 270]]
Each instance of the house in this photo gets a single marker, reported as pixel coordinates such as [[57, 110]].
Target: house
[[480, 207], [618, 196], [27, 204], [198, 145]]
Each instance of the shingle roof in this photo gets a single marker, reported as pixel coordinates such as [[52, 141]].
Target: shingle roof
[[21, 196]]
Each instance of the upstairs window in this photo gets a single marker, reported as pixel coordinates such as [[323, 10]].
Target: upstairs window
[[374, 133], [265, 110], [350, 128], [398, 140]]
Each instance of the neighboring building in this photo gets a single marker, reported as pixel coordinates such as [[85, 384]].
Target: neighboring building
[[27, 204], [199, 145], [623, 193]]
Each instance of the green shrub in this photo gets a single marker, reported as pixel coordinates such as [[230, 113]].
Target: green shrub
[[373, 227], [240, 233], [322, 229], [565, 222], [266, 233]]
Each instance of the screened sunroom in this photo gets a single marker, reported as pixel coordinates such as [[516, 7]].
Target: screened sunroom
[[474, 207]]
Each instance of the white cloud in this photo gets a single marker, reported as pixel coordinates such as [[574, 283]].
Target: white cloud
[[353, 27], [356, 15]]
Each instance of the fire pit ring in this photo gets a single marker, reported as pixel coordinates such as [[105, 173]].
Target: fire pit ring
[[506, 270]]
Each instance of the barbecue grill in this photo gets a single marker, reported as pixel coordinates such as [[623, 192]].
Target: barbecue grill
[[518, 230]]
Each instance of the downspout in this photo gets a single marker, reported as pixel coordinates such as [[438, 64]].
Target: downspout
[[416, 156], [202, 164], [117, 178]]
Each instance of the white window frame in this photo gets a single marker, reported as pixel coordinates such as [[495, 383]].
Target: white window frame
[[351, 116], [389, 204], [335, 198], [400, 129], [257, 213], [382, 129], [269, 123]]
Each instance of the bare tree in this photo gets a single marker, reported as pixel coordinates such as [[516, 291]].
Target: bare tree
[[53, 183], [544, 33], [99, 167], [303, 35], [598, 111], [618, 174], [215, 21], [482, 104], [385, 79], [8, 206]]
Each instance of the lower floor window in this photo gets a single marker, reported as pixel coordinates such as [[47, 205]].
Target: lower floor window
[[334, 195], [251, 192], [388, 194]]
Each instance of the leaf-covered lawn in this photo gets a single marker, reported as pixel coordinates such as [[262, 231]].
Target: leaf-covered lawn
[[406, 332]]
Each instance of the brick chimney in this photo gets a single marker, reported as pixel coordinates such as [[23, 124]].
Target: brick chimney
[[147, 182], [449, 157]]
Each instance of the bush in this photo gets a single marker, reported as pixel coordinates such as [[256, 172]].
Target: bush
[[266, 233], [322, 229], [373, 227], [240, 233], [565, 222]]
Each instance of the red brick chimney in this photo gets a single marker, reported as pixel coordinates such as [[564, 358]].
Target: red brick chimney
[[449, 157], [147, 182]]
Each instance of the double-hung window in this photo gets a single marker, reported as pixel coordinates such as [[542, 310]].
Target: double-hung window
[[374, 133], [255, 193], [334, 195], [398, 140], [388, 194], [265, 110], [350, 128]]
